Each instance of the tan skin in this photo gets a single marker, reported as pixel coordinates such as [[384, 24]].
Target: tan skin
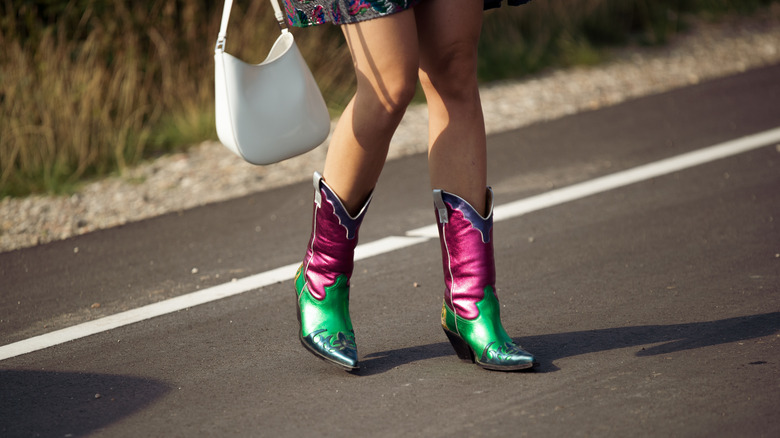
[[435, 42]]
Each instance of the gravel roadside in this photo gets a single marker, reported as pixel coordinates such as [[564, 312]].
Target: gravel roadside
[[208, 172]]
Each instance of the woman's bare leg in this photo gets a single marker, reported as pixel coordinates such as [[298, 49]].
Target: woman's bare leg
[[384, 53], [448, 32]]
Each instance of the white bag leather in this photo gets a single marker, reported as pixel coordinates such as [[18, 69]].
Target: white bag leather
[[270, 111]]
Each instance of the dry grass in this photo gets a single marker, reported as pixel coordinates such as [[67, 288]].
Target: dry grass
[[88, 88], [93, 87]]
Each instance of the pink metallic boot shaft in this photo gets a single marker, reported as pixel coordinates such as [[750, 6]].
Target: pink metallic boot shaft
[[334, 238], [467, 251]]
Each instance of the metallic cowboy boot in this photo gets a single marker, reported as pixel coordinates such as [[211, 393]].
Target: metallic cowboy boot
[[470, 313], [322, 281]]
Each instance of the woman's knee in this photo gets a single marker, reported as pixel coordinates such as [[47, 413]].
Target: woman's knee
[[450, 72], [391, 91]]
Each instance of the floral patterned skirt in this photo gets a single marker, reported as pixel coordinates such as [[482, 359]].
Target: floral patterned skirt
[[304, 13]]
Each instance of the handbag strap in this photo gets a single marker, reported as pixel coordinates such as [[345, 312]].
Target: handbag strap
[[226, 17]]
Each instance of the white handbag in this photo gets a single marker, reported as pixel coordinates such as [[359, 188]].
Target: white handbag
[[271, 111]]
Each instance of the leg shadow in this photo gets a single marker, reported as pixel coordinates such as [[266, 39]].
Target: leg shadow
[[39, 403]]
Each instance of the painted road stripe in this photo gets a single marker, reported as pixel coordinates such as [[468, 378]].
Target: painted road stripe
[[636, 174], [385, 245], [392, 243], [621, 179]]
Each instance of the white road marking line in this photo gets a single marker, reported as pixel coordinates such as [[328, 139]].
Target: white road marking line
[[621, 179], [636, 174], [385, 245], [392, 243], [149, 311]]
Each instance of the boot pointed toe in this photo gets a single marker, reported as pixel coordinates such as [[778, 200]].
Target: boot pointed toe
[[339, 349], [506, 357]]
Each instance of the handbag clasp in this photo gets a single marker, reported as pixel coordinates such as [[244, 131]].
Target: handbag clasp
[[220, 47], [279, 15]]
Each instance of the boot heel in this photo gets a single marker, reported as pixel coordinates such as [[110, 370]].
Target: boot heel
[[460, 346]]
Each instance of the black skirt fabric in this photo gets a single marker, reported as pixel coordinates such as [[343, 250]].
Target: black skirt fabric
[[490, 4]]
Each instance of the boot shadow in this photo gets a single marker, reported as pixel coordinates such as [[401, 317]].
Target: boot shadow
[[549, 348]]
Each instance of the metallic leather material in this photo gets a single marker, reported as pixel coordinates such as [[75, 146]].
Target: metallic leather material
[[322, 281], [467, 251], [491, 347], [325, 325], [333, 240], [470, 313]]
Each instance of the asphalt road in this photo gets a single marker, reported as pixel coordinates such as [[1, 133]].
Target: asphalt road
[[654, 307]]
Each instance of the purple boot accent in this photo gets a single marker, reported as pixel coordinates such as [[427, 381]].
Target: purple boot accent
[[467, 251], [333, 240]]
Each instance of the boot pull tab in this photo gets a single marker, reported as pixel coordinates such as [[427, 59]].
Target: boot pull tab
[[317, 194], [441, 207]]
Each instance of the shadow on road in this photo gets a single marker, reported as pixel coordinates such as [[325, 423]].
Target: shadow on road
[[548, 348], [40, 403]]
